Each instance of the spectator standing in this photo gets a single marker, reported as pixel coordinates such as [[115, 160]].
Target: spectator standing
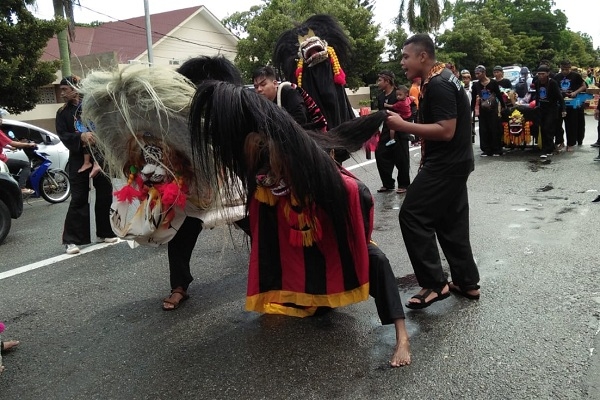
[[486, 93], [550, 103], [76, 231], [499, 77], [436, 203], [388, 157], [465, 77], [571, 84]]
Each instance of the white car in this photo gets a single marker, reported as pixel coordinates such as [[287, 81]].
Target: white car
[[48, 142]]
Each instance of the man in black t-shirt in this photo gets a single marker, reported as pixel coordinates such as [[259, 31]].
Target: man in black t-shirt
[[436, 203], [266, 84], [571, 84], [396, 155], [499, 77], [549, 101]]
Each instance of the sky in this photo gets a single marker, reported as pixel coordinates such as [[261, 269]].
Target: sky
[[384, 11]]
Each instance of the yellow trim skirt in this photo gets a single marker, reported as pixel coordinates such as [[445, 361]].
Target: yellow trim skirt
[[273, 302]]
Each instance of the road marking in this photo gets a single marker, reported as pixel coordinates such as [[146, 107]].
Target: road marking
[[49, 261], [368, 162]]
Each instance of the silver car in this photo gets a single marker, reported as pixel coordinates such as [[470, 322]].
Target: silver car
[[48, 142]]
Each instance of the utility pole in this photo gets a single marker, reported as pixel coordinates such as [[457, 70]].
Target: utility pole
[[148, 33]]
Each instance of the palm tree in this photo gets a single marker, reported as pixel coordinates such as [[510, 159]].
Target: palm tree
[[64, 9], [429, 16]]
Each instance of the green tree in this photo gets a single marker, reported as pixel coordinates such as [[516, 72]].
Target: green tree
[[260, 27], [23, 39], [423, 16]]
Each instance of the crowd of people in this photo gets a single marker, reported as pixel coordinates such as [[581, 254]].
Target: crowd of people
[[546, 92]]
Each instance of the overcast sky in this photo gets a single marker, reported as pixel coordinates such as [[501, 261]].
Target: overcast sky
[[577, 11]]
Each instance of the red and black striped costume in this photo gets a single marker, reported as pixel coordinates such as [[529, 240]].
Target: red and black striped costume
[[291, 275]]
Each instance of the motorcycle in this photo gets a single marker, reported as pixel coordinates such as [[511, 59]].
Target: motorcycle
[[52, 184]]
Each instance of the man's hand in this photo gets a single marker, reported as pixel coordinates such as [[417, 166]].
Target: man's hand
[[88, 137], [395, 121]]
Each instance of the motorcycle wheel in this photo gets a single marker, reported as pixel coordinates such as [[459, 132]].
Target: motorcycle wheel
[[55, 186]]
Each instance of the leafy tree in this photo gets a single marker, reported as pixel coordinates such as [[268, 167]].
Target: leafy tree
[[260, 27], [23, 39], [423, 16]]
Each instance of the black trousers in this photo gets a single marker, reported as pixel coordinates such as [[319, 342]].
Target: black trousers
[[383, 287], [438, 206], [571, 126], [77, 222], [580, 125], [549, 124], [179, 250], [388, 157], [14, 166], [490, 134]]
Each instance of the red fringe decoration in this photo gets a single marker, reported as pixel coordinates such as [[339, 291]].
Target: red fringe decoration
[[172, 194], [128, 193], [340, 79]]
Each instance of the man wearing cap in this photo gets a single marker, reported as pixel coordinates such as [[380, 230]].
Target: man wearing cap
[[499, 77], [550, 103], [388, 157], [571, 84]]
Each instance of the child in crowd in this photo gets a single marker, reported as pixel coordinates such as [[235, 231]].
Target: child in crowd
[[404, 106]]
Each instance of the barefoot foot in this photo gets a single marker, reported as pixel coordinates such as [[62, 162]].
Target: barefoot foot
[[401, 356]]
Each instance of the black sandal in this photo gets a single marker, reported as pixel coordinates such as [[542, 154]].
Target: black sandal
[[456, 289], [423, 303]]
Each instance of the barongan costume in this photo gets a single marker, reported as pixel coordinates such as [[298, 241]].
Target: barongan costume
[[313, 55], [310, 221]]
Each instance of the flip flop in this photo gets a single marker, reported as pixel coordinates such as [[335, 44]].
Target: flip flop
[[384, 189], [422, 299], [457, 290], [174, 303], [401, 190]]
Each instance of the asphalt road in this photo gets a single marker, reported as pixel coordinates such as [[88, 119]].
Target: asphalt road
[[91, 325]]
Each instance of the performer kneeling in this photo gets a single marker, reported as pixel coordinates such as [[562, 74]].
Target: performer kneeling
[[310, 219]]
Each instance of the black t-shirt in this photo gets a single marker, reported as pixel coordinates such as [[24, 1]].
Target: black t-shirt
[[293, 103], [445, 99], [505, 83], [381, 100], [568, 83], [548, 96]]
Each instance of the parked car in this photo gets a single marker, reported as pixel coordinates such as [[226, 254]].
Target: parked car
[[47, 142], [11, 201], [512, 73]]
